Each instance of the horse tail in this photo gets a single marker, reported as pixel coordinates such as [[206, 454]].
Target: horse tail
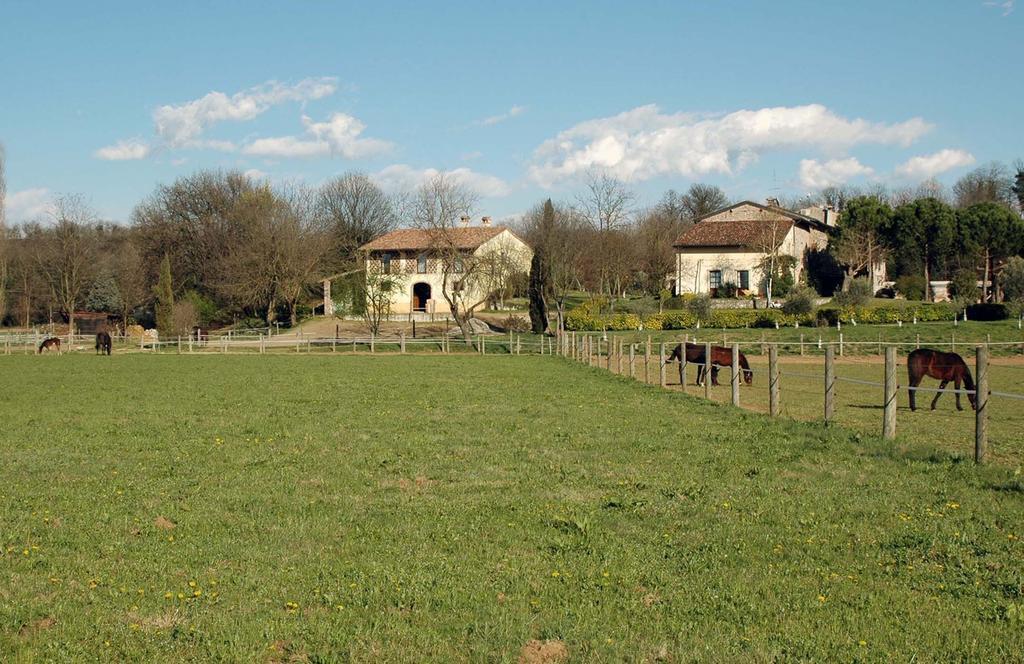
[[968, 378], [41, 347]]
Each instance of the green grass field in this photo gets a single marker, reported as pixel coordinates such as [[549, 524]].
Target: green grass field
[[455, 508]]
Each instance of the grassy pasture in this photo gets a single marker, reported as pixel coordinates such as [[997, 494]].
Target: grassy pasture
[[455, 508], [858, 407]]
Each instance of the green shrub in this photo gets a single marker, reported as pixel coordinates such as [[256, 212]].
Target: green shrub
[[911, 286], [699, 306], [988, 311], [857, 295], [963, 287], [1011, 278], [800, 301], [727, 290]]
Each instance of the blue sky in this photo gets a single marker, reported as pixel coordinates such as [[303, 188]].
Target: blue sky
[[519, 100]]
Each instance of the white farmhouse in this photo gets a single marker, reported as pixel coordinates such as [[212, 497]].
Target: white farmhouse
[[408, 252], [730, 245]]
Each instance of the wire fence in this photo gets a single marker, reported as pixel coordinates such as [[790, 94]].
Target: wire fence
[[856, 392]]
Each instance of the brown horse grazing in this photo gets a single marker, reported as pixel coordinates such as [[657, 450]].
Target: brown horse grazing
[[103, 343], [720, 357], [943, 366], [53, 343]]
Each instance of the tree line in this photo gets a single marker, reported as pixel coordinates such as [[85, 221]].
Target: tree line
[[215, 248]]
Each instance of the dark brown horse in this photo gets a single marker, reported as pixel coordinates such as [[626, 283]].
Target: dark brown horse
[[53, 343], [103, 343], [943, 366], [720, 357]]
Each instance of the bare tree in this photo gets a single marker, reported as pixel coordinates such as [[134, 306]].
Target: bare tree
[[436, 207], [355, 211], [768, 243], [656, 232], [379, 288], [66, 256], [561, 238], [302, 244], [701, 200], [606, 205], [129, 276], [991, 183]]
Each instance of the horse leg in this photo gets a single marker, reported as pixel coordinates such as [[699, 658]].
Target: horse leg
[[938, 394], [700, 375], [956, 384], [912, 392], [714, 376]]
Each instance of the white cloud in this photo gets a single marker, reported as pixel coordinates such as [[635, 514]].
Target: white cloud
[[929, 165], [128, 149], [507, 115], [644, 142], [28, 204], [181, 124], [256, 174], [1006, 6], [338, 136], [402, 177], [815, 174]]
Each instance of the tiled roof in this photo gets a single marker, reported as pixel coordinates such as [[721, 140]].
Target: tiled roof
[[739, 233], [412, 239]]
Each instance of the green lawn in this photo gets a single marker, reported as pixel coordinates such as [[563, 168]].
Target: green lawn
[[455, 508]]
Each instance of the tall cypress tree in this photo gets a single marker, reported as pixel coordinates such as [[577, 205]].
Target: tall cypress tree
[[165, 300], [540, 273]]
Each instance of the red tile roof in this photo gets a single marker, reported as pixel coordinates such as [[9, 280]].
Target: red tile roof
[[739, 233], [412, 239]]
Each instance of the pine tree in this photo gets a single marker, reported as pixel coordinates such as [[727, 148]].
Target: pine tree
[[165, 301], [1018, 186]]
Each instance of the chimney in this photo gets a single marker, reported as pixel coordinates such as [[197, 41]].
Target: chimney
[[773, 202], [465, 220], [828, 215], [485, 222]]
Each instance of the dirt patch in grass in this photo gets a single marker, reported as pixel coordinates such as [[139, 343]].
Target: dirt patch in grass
[[284, 651], [36, 626], [543, 652], [165, 620], [418, 484], [163, 523]]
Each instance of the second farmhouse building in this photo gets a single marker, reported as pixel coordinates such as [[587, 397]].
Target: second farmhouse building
[[730, 246]]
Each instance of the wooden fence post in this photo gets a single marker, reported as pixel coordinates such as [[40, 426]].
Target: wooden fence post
[[632, 356], [801, 344], [373, 343], [707, 369], [519, 344], [262, 350], [773, 380], [889, 411], [647, 361], [736, 374], [611, 343], [981, 405], [621, 343], [661, 363], [401, 341], [830, 383], [841, 344]]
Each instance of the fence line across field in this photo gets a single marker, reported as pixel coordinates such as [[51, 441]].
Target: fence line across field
[[617, 349]]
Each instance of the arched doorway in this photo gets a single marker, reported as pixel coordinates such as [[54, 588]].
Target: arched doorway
[[420, 295]]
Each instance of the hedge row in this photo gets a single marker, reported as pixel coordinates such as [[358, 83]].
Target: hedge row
[[582, 319]]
